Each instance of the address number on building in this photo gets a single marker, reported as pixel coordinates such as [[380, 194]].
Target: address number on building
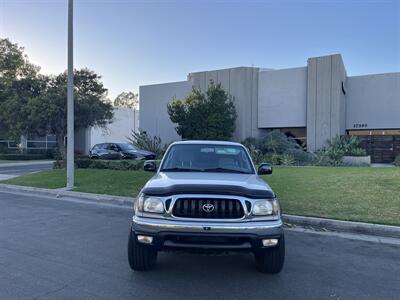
[[360, 125]]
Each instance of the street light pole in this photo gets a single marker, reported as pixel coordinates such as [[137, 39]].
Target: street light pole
[[70, 99]]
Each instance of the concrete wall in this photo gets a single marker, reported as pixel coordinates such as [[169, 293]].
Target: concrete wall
[[125, 120], [242, 84], [325, 100], [154, 118], [309, 97], [373, 101], [282, 98]]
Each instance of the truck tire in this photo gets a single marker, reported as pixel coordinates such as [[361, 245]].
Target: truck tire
[[271, 260], [141, 257]]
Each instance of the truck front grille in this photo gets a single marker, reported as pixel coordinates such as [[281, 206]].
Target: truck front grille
[[207, 208]]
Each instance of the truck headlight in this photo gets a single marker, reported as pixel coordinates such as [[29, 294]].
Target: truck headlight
[[153, 205], [266, 207], [149, 204]]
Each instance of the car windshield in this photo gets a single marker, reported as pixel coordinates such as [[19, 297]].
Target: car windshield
[[207, 158], [127, 147]]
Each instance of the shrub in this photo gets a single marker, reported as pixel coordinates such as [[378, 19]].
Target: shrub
[[144, 141], [346, 145], [357, 152], [322, 159], [302, 157], [341, 146], [271, 158], [86, 163], [287, 159], [276, 148], [397, 161], [276, 141]]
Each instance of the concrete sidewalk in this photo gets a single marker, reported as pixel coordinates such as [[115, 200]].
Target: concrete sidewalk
[[26, 163]]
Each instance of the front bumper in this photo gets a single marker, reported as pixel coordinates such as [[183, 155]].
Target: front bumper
[[192, 235]]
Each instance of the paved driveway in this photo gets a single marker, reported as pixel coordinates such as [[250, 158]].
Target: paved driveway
[[10, 170], [55, 249]]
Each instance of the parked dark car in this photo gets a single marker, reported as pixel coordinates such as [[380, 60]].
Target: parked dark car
[[119, 151]]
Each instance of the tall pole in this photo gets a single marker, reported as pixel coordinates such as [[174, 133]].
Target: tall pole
[[70, 99]]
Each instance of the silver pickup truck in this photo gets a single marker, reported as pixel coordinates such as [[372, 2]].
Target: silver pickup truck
[[207, 197]]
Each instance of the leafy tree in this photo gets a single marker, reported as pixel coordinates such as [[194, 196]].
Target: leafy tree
[[128, 100], [31, 103], [19, 81], [209, 116], [48, 112], [14, 63]]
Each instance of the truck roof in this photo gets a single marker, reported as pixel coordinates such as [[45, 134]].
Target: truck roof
[[206, 142]]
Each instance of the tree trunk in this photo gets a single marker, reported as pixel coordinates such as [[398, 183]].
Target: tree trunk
[[61, 146]]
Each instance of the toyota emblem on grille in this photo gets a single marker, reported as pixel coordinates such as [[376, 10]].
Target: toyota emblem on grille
[[208, 207]]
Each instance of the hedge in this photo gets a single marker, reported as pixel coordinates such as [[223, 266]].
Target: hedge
[[19, 156], [86, 163]]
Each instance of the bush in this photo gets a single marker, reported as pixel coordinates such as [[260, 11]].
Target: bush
[[287, 159], [276, 141], [144, 141], [22, 156], [397, 161], [338, 147], [276, 148], [86, 163], [271, 158], [252, 147]]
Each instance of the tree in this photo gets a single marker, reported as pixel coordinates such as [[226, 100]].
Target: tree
[[19, 81], [209, 116], [14, 63], [31, 103], [128, 100], [48, 111]]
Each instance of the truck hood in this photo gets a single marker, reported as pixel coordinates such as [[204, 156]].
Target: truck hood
[[170, 183]]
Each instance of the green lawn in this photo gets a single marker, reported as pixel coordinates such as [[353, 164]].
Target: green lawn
[[122, 183], [357, 194]]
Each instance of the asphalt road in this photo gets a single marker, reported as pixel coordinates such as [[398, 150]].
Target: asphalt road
[[55, 249], [22, 168]]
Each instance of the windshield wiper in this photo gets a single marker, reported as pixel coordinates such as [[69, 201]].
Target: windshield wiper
[[180, 170], [225, 170]]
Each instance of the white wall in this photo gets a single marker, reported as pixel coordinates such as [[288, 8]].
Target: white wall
[[282, 98], [373, 100], [154, 118], [125, 120]]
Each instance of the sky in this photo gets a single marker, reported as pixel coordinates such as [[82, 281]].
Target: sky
[[132, 43]]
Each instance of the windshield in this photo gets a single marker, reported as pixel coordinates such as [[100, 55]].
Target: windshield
[[207, 158], [126, 147]]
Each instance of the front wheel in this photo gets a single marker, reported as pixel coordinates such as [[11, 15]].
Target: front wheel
[[141, 257], [271, 260]]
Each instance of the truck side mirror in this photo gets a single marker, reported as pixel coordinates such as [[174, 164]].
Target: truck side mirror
[[150, 166], [265, 169]]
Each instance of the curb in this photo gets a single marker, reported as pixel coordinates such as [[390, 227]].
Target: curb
[[319, 223], [27, 163], [59, 193], [344, 226]]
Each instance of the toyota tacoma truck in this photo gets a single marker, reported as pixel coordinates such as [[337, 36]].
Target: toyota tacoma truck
[[207, 197]]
